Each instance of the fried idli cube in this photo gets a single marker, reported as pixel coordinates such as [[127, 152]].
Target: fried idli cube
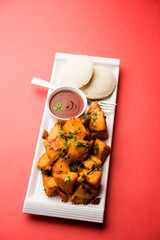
[[92, 162], [77, 150], [101, 150], [63, 196], [74, 125], [60, 165], [97, 121], [92, 177], [84, 194], [66, 181], [44, 162], [50, 186], [100, 134], [55, 131], [54, 148]]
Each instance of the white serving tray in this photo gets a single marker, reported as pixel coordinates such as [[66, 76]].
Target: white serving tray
[[36, 201]]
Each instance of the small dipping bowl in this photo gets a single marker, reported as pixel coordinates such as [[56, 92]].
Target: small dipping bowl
[[60, 93]]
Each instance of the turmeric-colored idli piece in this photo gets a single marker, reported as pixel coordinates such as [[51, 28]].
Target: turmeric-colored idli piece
[[55, 132], [92, 162], [44, 162], [92, 177], [54, 148], [63, 196], [84, 194], [50, 186], [60, 165], [78, 149], [65, 181], [97, 121], [100, 134], [74, 125], [101, 150]]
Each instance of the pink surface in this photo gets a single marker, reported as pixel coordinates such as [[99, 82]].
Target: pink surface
[[31, 32]]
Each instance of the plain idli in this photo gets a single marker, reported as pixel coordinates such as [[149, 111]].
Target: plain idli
[[101, 85], [77, 71]]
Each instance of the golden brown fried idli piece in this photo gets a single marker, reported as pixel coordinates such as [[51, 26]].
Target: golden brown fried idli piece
[[101, 150], [91, 177], [44, 162], [54, 148], [55, 131], [92, 162], [77, 150], [63, 196], [60, 165], [97, 121], [84, 194], [100, 134], [65, 181], [50, 186], [74, 125]]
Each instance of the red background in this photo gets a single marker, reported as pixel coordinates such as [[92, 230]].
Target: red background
[[31, 32]]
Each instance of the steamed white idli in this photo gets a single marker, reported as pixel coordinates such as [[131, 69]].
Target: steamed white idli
[[101, 85], [77, 71]]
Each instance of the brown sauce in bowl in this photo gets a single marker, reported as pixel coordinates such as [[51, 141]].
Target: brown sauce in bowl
[[66, 104]]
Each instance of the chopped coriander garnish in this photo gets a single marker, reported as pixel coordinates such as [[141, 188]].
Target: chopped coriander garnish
[[94, 113], [63, 108], [80, 144], [73, 167], [86, 117], [94, 119], [66, 144], [61, 133], [56, 109], [72, 135], [63, 154], [59, 106], [90, 171], [67, 179], [45, 172], [74, 138], [97, 148]]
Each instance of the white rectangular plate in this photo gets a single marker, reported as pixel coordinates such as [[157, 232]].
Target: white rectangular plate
[[36, 201]]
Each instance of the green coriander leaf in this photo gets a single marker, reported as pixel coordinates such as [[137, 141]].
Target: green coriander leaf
[[63, 154], [80, 144], [74, 138], [59, 105], [61, 133], [94, 113], [94, 119], [73, 167], [66, 144], [90, 171], [97, 148], [86, 117], [56, 109], [63, 108], [67, 179], [45, 172], [72, 135]]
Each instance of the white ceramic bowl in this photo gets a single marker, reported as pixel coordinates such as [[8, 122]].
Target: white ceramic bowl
[[69, 88]]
